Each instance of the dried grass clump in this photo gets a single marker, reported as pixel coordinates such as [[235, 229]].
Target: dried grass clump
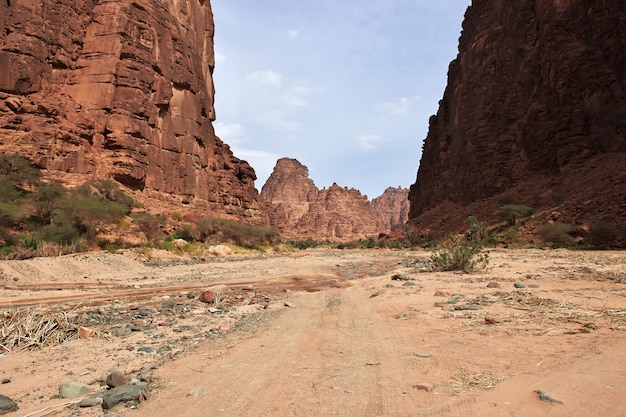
[[28, 329], [467, 381]]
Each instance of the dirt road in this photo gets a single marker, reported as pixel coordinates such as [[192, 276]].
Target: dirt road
[[341, 338]]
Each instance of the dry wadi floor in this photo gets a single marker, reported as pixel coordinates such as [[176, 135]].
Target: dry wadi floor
[[328, 333]]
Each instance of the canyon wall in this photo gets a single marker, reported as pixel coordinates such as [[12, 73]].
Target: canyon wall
[[534, 107], [120, 90], [302, 211]]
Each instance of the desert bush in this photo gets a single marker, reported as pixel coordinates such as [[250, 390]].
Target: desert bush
[[601, 234], [461, 255], [223, 230], [150, 226], [304, 244], [63, 233], [511, 212], [177, 216], [555, 233], [186, 232]]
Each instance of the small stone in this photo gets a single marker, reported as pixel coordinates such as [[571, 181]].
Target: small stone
[[207, 296], [6, 380], [146, 349], [377, 293], [409, 284], [288, 304], [84, 332], [90, 402], [401, 277], [491, 320], [73, 389], [404, 315], [7, 405], [493, 284], [424, 386], [468, 307], [533, 286], [441, 293], [196, 393], [116, 378], [125, 393], [423, 355], [224, 328], [519, 285]]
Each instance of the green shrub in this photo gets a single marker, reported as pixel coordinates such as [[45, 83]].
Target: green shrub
[[186, 232], [59, 233], [462, 255], [304, 244], [556, 233], [511, 212], [150, 226], [477, 230], [177, 216]]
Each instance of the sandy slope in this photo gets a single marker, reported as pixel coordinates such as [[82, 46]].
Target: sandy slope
[[339, 350]]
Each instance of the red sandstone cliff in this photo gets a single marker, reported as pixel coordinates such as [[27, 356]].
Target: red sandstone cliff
[[534, 107], [300, 210], [392, 207], [122, 90]]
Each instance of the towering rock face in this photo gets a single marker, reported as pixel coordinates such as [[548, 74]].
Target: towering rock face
[[301, 211], [122, 90], [535, 102], [392, 207]]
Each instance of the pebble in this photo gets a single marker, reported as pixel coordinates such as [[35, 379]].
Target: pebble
[[468, 307], [207, 296], [423, 355], [90, 402], [196, 393], [73, 389], [424, 386], [116, 378], [493, 284], [377, 293], [440, 293], [125, 393], [7, 405], [519, 285], [146, 349], [409, 284]]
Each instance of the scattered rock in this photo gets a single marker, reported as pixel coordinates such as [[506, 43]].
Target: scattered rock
[[90, 402], [196, 393], [372, 363], [6, 380], [409, 284], [423, 355], [543, 396], [73, 389], [519, 285], [288, 304], [491, 320], [85, 332], [225, 328], [207, 296], [404, 315], [401, 277], [424, 386], [7, 405], [533, 286], [117, 378], [377, 293], [146, 349], [468, 307], [441, 293], [125, 393], [493, 284]]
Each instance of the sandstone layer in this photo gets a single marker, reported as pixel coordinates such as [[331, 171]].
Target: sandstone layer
[[534, 112], [121, 90], [302, 211], [392, 207]]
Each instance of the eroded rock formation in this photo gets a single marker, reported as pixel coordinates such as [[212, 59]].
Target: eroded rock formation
[[392, 207], [301, 211], [535, 105], [122, 90]]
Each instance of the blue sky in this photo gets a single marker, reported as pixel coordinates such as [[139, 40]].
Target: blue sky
[[345, 87]]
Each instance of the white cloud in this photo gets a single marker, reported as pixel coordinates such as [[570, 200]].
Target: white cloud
[[293, 33], [266, 78], [369, 143], [231, 133], [397, 108]]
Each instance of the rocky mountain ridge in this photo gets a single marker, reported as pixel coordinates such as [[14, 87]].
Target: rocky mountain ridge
[[534, 113], [120, 90], [302, 211]]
